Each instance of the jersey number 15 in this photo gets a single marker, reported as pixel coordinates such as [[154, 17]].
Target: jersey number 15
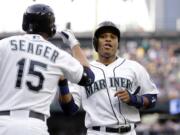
[[31, 71]]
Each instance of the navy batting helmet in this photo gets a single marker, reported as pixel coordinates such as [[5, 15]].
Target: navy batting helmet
[[39, 18], [106, 25]]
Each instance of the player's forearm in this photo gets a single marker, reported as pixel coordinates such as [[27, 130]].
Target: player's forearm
[[143, 101], [149, 100], [64, 94], [78, 53], [69, 108], [65, 98], [68, 105]]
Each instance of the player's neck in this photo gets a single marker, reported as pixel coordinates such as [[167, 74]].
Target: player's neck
[[107, 60], [44, 35]]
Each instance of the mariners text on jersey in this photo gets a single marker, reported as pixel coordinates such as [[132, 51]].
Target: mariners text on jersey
[[113, 82], [37, 49]]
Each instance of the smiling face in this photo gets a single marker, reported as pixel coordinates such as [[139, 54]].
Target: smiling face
[[107, 46]]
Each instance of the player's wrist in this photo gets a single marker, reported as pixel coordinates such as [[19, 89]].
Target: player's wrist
[[73, 42], [63, 87], [136, 101]]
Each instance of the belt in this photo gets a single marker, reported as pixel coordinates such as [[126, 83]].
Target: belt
[[32, 114], [122, 129]]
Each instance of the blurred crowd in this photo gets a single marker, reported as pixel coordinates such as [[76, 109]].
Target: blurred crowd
[[162, 62], [159, 124]]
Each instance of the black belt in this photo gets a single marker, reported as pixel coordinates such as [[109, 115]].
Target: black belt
[[122, 129], [32, 114]]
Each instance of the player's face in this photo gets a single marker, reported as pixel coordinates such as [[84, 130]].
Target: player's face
[[107, 44]]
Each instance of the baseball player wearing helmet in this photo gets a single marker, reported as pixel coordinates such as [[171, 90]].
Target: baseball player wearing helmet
[[30, 68], [120, 89]]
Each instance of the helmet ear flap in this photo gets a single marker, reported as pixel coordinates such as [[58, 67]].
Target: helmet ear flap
[[28, 25], [53, 30]]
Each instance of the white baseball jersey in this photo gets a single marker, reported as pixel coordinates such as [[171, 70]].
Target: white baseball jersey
[[102, 108], [30, 68]]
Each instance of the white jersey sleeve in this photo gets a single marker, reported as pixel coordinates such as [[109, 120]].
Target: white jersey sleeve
[[143, 80], [72, 69]]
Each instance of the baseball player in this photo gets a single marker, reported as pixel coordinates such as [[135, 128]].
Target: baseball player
[[121, 88], [30, 68]]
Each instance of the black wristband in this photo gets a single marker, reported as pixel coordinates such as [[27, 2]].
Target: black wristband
[[63, 87], [136, 101]]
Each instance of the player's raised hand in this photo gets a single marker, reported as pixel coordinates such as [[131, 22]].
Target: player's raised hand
[[69, 38]]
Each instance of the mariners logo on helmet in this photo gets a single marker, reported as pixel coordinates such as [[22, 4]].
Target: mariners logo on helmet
[[106, 25], [39, 18]]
